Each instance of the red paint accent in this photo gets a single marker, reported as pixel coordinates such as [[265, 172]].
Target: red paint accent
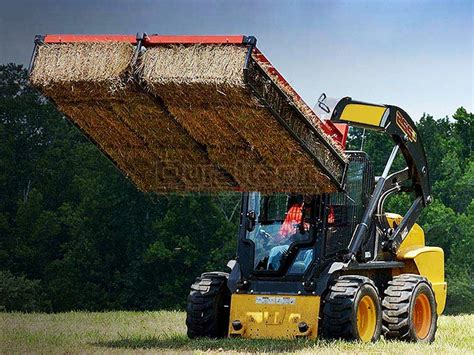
[[271, 69], [405, 127], [149, 40], [336, 131], [161, 39], [344, 129], [89, 38]]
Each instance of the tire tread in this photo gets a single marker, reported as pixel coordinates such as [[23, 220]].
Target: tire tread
[[339, 305], [203, 317], [396, 306]]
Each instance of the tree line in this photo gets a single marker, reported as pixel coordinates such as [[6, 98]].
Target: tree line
[[76, 235]]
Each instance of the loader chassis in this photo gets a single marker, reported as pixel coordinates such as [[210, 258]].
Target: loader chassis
[[350, 270]]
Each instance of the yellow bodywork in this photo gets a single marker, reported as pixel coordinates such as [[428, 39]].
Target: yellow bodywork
[[363, 114], [278, 316], [274, 316], [422, 260]]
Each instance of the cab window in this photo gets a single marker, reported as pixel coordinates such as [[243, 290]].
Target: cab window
[[281, 221]]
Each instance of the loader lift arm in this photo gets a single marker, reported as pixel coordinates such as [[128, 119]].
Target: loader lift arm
[[395, 122]]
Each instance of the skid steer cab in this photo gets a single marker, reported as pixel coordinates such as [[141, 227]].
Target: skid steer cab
[[332, 265]]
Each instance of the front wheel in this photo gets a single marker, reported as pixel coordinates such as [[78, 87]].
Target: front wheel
[[352, 310], [409, 309], [208, 310]]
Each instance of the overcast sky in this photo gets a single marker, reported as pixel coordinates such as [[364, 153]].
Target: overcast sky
[[414, 54]]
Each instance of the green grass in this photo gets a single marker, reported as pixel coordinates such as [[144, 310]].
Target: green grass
[[165, 332]]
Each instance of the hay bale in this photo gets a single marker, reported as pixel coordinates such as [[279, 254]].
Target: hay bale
[[92, 84], [224, 144], [203, 86], [191, 93], [182, 159], [118, 142], [80, 70]]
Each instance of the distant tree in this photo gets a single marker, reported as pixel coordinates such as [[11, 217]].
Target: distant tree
[[17, 293]]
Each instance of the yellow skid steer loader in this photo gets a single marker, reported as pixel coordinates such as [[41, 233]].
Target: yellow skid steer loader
[[317, 253]]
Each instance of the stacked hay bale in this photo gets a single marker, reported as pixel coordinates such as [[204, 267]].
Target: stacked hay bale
[[189, 80], [203, 86], [91, 83], [197, 126]]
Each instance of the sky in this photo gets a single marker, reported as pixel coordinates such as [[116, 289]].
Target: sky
[[414, 54]]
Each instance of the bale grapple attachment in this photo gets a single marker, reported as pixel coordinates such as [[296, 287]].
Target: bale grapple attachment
[[190, 113]]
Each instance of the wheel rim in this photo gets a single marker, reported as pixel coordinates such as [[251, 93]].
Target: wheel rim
[[366, 318], [422, 316]]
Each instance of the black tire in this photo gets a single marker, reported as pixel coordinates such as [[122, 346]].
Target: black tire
[[402, 318], [208, 308], [342, 302]]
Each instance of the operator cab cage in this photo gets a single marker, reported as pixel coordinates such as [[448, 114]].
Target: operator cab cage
[[286, 233]]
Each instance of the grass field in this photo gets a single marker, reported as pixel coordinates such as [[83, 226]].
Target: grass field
[[165, 332]]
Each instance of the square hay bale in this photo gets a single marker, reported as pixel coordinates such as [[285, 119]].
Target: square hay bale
[[205, 88], [92, 84], [118, 142]]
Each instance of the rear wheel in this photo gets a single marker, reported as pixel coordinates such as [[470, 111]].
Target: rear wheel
[[352, 310], [208, 306], [409, 309]]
